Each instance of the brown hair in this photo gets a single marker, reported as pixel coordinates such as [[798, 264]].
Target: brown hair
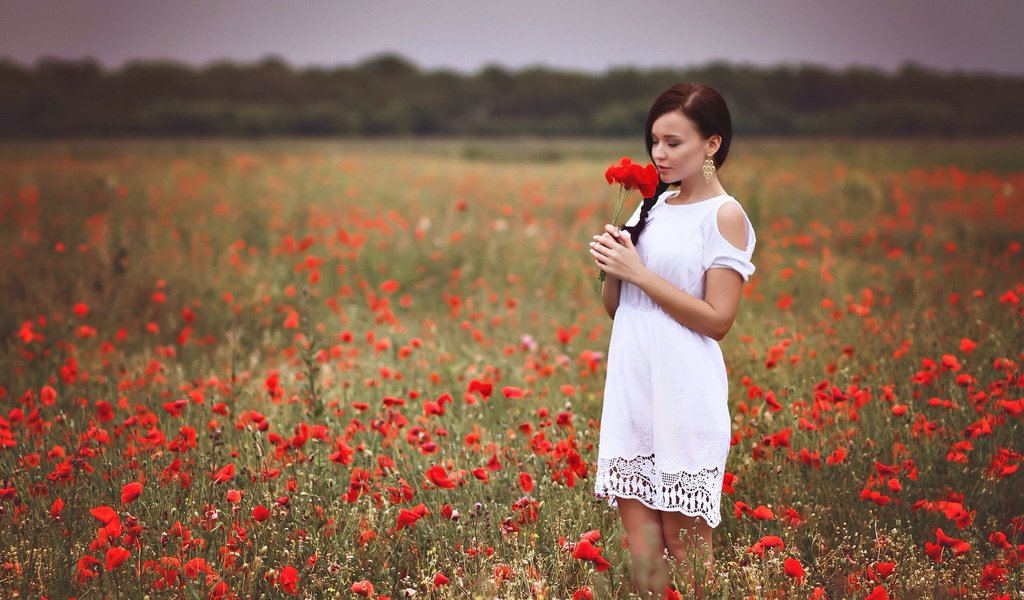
[[703, 105]]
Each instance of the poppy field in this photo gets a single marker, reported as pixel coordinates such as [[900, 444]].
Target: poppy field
[[293, 369]]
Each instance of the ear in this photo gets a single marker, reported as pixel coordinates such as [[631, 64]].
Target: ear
[[712, 144]]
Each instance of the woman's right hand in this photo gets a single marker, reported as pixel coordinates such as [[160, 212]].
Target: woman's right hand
[[610, 237], [612, 232], [614, 253]]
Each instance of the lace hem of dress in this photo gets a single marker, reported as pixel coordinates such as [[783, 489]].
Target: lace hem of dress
[[693, 494]]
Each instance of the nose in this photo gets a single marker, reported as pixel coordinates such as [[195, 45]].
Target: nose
[[657, 151]]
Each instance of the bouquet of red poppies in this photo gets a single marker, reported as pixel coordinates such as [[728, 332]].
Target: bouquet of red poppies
[[630, 176]]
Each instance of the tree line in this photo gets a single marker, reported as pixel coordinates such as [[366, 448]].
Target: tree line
[[390, 95]]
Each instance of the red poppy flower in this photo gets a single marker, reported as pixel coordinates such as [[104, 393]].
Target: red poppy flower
[[835, 457], [195, 566], [794, 569], [342, 453], [130, 492], [779, 439], [993, 574], [956, 545], [114, 557], [512, 392], [439, 477], [727, 483], [585, 550], [83, 569], [408, 517], [633, 176], [104, 412], [289, 580], [483, 388], [934, 551], [885, 568], [772, 541], [47, 395], [224, 474], [174, 408], [103, 514], [525, 482], [362, 588], [998, 539]]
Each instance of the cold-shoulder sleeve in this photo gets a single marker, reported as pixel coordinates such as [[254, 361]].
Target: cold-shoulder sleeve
[[719, 253]]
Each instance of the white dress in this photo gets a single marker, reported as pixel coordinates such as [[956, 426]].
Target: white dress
[[665, 424]]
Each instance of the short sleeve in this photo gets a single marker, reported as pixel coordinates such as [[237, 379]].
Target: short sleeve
[[719, 253]]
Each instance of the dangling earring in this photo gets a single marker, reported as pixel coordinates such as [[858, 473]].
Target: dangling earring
[[708, 168]]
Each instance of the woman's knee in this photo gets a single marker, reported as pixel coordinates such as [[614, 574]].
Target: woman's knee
[[644, 535], [683, 533]]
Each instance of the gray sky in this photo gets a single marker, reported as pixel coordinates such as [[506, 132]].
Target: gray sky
[[464, 35]]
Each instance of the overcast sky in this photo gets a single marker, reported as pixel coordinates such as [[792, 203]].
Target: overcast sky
[[971, 35]]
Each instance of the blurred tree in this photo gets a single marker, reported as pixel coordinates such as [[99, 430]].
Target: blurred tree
[[387, 94]]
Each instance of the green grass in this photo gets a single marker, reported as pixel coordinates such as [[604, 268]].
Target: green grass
[[279, 256]]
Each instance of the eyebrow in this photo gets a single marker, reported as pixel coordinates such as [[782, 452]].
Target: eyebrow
[[669, 135]]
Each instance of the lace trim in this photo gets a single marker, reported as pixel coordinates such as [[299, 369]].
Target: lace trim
[[694, 494]]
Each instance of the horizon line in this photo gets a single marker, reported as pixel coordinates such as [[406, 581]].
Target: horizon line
[[271, 57]]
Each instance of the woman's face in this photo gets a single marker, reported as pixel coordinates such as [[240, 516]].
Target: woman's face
[[678, 149]]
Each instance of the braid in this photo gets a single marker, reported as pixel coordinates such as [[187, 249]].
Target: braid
[[645, 208]]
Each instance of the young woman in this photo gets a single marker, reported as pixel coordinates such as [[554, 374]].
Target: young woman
[[673, 283]]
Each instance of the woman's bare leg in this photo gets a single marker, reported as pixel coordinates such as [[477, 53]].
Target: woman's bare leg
[[646, 541], [688, 540]]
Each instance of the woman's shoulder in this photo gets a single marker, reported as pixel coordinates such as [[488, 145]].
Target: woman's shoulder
[[729, 209], [728, 220], [726, 206]]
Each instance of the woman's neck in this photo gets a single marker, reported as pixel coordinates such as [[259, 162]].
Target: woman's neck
[[695, 191]]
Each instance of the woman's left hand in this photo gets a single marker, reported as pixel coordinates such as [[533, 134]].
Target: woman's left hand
[[615, 254]]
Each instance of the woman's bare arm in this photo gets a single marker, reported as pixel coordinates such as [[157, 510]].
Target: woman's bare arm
[[713, 316], [610, 289]]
